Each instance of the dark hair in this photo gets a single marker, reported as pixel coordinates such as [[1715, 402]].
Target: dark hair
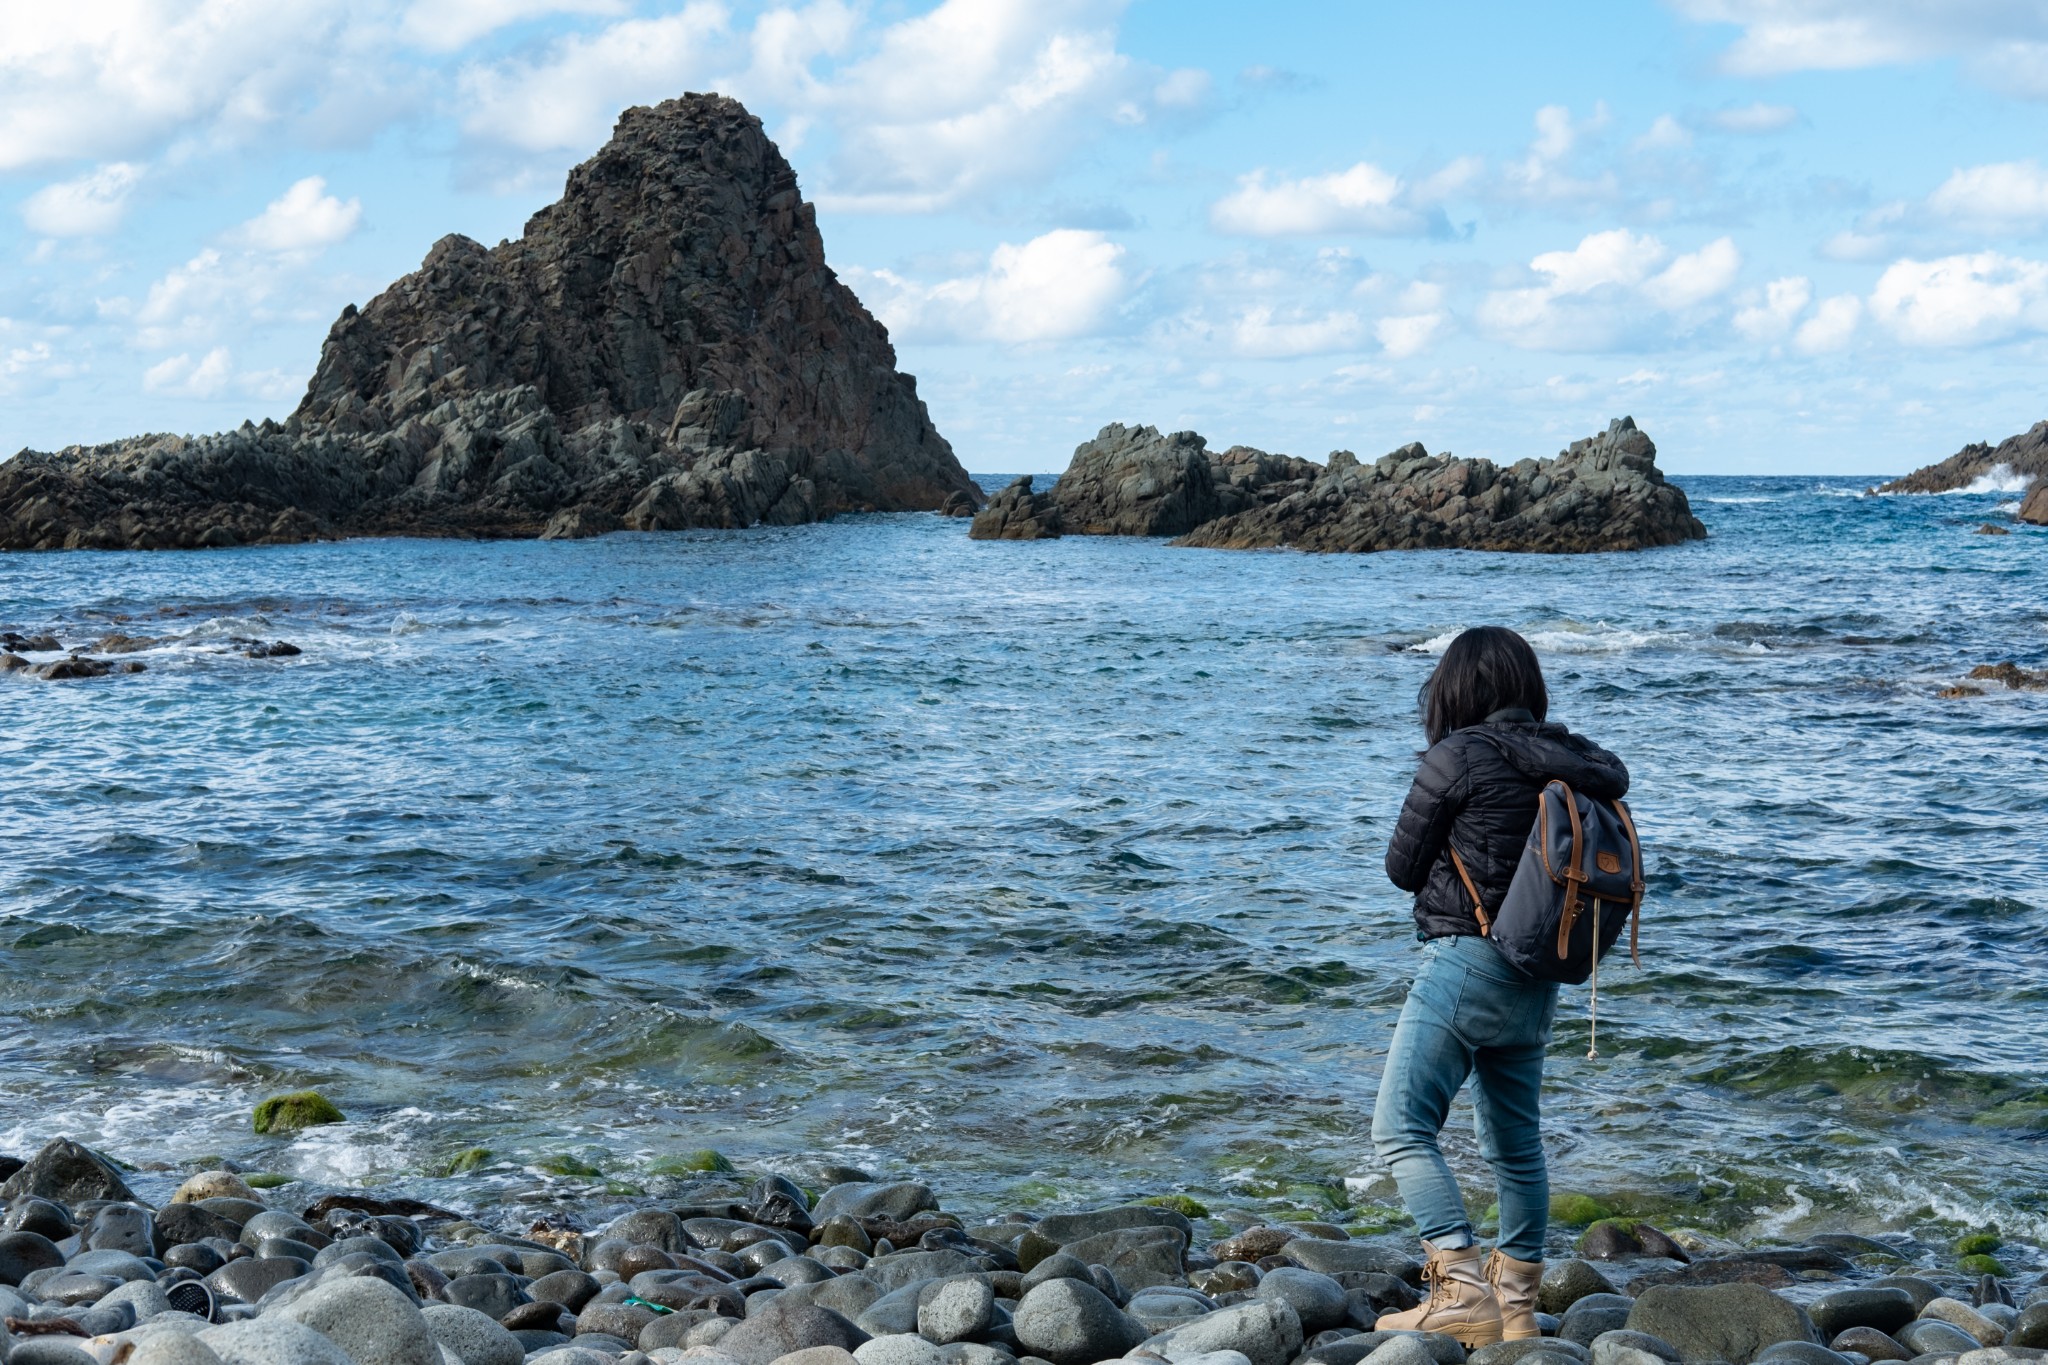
[[1486, 669]]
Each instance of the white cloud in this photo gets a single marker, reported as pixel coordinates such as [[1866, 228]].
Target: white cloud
[[568, 97], [1261, 334], [1773, 314], [1695, 277], [90, 206], [122, 79], [1754, 119], [1831, 326], [1407, 334], [2003, 42], [1541, 176], [1961, 300], [304, 218], [1061, 285], [180, 374], [1361, 199], [445, 25], [1606, 289], [1665, 132], [2008, 195]]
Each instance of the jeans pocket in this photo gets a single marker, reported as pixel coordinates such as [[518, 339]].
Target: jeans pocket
[[1503, 1014]]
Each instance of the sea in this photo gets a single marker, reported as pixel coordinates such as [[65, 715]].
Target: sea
[[1048, 873]]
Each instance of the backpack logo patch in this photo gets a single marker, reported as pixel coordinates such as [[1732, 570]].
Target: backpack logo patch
[[1609, 862]]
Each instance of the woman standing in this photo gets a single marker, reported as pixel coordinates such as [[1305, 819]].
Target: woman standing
[[1470, 1014]]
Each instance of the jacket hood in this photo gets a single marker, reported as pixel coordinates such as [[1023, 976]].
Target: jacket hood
[[1544, 750]]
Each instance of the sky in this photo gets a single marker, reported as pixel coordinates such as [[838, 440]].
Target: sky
[[1786, 236]]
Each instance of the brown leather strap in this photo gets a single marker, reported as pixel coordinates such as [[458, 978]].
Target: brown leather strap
[[1478, 906], [1635, 845], [1574, 871]]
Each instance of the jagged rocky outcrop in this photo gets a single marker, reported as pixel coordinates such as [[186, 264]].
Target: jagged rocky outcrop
[[2022, 456], [1602, 493], [664, 347], [2035, 508]]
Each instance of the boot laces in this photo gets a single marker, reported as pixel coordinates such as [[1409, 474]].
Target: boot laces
[[1439, 1282]]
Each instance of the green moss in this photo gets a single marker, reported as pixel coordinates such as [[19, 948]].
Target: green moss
[[290, 1113], [1031, 1193], [466, 1160], [702, 1162], [623, 1190], [561, 1163], [1625, 1226], [205, 1163], [266, 1180], [2030, 1113], [1181, 1204], [1370, 1220], [1978, 1243], [1982, 1265], [1577, 1210]]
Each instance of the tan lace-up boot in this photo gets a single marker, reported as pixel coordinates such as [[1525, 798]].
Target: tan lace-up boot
[[1460, 1302], [1514, 1284]]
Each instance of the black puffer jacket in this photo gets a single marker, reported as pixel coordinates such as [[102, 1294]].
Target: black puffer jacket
[[1476, 791]]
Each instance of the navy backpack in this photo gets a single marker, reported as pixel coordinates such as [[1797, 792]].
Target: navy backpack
[[1580, 880]]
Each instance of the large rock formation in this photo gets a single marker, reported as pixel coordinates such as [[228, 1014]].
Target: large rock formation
[[2021, 456], [2035, 508], [663, 348], [1603, 493]]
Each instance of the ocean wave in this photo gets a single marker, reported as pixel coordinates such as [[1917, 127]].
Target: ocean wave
[[1570, 637], [2001, 479]]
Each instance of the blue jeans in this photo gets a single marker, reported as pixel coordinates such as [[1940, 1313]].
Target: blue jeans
[[1469, 1013]]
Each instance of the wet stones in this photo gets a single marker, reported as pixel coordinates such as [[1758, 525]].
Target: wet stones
[[1886, 1310], [1071, 1322], [68, 1173], [1565, 1282], [1731, 1322]]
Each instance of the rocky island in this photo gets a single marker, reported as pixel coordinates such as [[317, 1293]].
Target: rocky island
[[2023, 456], [1602, 493], [665, 347]]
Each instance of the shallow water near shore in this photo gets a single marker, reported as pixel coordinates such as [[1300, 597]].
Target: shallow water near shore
[[1048, 872]]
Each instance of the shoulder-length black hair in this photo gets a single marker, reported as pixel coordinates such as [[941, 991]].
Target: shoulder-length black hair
[[1486, 669]]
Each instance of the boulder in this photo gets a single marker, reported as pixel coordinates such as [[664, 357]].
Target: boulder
[[1727, 1322], [1333, 1258], [478, 1339], [1017, 513], [1069, 1322], [276, 1341], [172, 1348], [1319, 1301], [1959, 1314], [1931, 1336], [1632, 1348], [1565, 1282], [1138, 1257], [959, 1309], [1264, 1331], [2034, 509], [1887, 1310], [901, 1348], [24, 1253], [663, 347], [901, 1201], [63, 1170], [1594, 1316], [1064, 1229], [374, 1322], [776, 1329], [1133, 481], [1869, 1343]]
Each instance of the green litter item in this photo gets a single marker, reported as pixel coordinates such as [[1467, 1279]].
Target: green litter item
[[638, 1302]]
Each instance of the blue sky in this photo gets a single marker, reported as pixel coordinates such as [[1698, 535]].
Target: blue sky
[[1787, 236]]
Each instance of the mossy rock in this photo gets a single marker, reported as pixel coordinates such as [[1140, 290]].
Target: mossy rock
[[1978, 1243], [1981, 1264], [1577, 1210], [561, 1163], [466, 1160], [299, 1110], [1184, 1205], [623, 1190], [267, 1180], [1625, 1226], [703, 1162]]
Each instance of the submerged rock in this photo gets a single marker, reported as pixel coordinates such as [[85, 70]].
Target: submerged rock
[[1603, 493], [664, 347]]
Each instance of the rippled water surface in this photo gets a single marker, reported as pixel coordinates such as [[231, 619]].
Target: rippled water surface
[[1045, 871]]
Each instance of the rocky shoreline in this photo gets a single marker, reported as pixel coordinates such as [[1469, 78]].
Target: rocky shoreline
[[663, 348], [2024, 456], [860, 1271], [1601, 493]]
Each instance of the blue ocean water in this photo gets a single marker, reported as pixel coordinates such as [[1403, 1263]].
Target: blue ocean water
[[1048, 872]]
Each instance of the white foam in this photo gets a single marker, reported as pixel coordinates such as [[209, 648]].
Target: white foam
[[2001, 479], [1736, 501], [1571, 637]]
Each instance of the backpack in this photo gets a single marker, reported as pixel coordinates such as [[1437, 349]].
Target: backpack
[[1579, 881]]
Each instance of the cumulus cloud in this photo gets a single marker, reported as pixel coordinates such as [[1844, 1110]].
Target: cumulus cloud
[[304, 218], [566, 97], [90, 206], [182, 375], [1753, 119], [1265, 333], [1363, 199], [2007, 196], [445, 25], [1611, 287], [1773, 312], [2005, 42], [1832, 325], [1543, 175], [1419, 323], [122, 82], [1961, 300], [1061, 285]]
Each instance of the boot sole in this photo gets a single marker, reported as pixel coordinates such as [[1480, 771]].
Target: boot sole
[[1472, 1338]]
